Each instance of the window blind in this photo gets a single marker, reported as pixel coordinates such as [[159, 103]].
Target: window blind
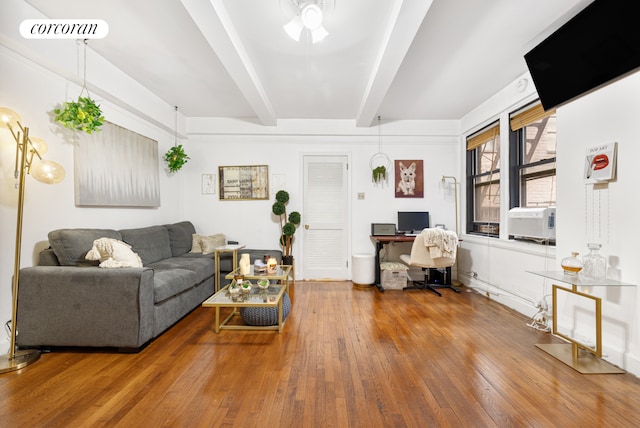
[[525, 117], [482, 136]]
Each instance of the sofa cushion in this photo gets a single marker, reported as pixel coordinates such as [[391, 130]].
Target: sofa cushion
[[180, 237], [201, 266], [151, 243], [171, 282], [71, 245]]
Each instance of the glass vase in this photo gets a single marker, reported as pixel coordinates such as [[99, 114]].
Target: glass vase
[[595, 265]]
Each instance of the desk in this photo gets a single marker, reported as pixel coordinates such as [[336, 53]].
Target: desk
[[229, 248], [575, 354], [381, 241]]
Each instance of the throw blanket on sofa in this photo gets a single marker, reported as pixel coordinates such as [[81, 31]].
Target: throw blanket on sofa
[[440, 243], [113, 253]]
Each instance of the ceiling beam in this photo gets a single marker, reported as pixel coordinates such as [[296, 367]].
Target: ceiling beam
[[404, 23], [213, 21]]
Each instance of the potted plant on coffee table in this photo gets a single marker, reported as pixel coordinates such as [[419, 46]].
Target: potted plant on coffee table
[[288, 225]]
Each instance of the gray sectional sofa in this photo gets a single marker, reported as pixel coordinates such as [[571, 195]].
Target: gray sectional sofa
[[69, 301]]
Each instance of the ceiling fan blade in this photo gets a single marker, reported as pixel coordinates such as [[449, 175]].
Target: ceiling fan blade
[[294, 28]]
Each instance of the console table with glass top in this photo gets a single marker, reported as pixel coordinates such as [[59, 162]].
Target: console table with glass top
[[581, 357]]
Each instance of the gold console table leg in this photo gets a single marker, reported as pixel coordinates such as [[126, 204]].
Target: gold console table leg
[[576, 355]]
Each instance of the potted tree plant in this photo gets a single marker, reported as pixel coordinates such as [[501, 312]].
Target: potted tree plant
[[288, 225]]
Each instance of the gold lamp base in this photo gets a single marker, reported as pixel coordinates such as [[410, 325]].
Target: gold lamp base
[[20, 360]]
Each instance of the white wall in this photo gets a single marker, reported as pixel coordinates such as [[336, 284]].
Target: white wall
[[496, 267], [605, 214], [215, 143]]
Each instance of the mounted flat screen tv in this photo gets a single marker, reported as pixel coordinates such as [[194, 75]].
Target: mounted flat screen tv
[[412, 222], [595, 47]]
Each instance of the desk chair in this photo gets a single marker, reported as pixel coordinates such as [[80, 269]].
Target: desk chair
[[420, 257]]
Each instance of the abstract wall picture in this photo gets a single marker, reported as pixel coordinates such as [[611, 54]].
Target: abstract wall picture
[[600, 163], [116, 167], [409, 179], [244, 182]]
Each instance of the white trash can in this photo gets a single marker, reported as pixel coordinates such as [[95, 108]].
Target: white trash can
[[363, 273]]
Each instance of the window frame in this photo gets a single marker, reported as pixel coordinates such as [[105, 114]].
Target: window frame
[[484, 228], [517, 141]]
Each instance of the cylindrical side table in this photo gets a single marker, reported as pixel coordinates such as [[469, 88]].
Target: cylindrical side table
[[363, 270]]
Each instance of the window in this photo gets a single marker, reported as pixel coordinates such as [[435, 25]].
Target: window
[[483, 180], [532, 158]]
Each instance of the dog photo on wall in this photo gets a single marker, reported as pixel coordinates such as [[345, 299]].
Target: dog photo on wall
[[409, 179]]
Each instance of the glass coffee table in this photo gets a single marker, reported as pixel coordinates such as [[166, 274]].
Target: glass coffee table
[[257, 297], [281, 274]]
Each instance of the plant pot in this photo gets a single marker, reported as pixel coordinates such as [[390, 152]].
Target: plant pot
[[287, 260]]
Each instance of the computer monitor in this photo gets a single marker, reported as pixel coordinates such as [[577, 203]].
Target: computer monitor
[[412, 221]]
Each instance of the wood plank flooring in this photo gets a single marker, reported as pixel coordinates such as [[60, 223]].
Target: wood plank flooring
[[347, 358]]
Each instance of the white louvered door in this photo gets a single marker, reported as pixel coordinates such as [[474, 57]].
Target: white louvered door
[[325, 217]]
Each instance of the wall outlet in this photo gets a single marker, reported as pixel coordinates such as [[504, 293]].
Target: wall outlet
[[360, 196]]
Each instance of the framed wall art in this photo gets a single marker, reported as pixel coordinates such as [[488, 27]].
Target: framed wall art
[[244, 183], [208, 184], [409, 179], [600, 163]]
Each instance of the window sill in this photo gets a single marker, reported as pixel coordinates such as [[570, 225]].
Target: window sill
[[534, 248]]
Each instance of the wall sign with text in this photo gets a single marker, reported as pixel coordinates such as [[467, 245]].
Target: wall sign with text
[[243, 183]]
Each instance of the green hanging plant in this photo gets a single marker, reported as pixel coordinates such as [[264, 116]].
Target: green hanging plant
[[81, 115], [176, 158], [379, 174]]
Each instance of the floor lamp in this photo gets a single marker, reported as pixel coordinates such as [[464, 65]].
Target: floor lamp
[[455, 190], [28, 161]]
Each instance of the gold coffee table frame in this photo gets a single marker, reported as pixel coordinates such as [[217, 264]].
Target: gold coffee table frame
[[268, 298], [577, 355]]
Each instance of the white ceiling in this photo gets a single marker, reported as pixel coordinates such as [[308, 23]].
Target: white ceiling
[[411, 59]]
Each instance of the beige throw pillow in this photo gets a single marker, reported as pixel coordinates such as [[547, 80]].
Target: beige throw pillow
[[206, 244]]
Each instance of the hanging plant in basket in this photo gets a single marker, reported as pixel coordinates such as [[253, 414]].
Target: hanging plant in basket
[[379, 174], [176, 158], [81, 115]]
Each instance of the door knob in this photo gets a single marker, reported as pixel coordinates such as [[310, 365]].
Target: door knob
[[306, 226]]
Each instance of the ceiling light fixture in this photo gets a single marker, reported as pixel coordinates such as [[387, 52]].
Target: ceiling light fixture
[[308, 15]]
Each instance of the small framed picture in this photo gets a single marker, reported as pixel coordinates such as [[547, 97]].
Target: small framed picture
[[208, 184], [601, 163]]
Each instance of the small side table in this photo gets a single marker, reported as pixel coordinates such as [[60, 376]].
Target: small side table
[[229, 248], [577, 355]]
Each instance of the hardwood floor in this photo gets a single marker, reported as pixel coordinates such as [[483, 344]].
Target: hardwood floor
[[346, 358]]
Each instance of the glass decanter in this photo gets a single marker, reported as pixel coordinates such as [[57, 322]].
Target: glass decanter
[[571, 265], [595, 265]]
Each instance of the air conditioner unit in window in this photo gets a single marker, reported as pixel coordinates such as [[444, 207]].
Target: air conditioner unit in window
[[533, 223]]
